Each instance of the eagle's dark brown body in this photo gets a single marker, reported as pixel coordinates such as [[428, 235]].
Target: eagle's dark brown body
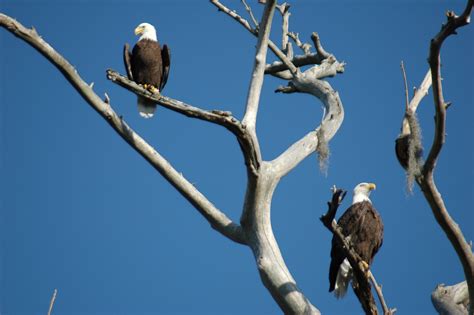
[[363, 224], [401, 150], [147, 64]]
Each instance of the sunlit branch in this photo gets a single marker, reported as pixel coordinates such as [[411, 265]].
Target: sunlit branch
[[214, 216], [426, 182]]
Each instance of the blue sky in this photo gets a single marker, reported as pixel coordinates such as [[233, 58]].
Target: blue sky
[[84, 213]]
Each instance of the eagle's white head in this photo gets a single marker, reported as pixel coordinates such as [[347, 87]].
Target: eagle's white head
[[146, 30], [362, 192]]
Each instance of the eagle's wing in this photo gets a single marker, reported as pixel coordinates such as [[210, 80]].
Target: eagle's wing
[[376, 229], [166, 59], [127, 56], [350, 222]]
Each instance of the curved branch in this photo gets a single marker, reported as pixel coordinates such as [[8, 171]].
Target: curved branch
[[448, 29], [257, 225], [305, 47], [256, 82], [297, 61], [332, 120], [219, 117], [289, 65], [452, 300], [310, 82], [51, 303], [378, 289], [214, 216], [426, 182], [425, 178], [317, 45], [250, 12]]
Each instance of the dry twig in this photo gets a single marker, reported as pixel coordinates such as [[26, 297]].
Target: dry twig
[[51, 303]]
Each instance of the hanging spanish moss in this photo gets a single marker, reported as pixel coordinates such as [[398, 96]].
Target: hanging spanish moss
[[415, 151], [323, 151]]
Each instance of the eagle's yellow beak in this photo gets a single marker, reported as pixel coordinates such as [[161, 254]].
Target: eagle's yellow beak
[[372, 186], [139, 30]]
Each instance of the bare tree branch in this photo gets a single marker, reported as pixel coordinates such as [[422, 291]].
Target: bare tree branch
[[426, 182], [317, 45], [425, 177], [310, 81], [250, 12], [235, 16], [453, 23], [255, 229], [451, 300], [408, 146], [307, 82], [214, 216], [421, 92], [407, 101], [305, 47], [51, 303], [362, 286], [255, 219], [298, 61], [378, 288], [256, 82], [284, 9], [220, 117], [247, 26]]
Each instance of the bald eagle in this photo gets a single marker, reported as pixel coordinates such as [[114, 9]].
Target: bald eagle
[[362, 225], [148, 64]]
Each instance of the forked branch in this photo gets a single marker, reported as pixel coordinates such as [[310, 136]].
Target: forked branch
[[426, 182], [219, 117], [214, 216], [424, 177], [256, 81], [247, 26]]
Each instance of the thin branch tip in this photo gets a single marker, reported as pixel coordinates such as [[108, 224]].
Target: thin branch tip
[[106, 98]]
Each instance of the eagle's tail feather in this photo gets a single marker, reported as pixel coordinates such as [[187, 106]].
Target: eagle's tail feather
[[146, 108], [344, 276]]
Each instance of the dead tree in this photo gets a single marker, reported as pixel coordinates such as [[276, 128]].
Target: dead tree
[[447, 300], [254, 229]]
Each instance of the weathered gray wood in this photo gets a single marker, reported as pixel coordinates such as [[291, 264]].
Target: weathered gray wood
[[255, 229], [425, 178], [215, 217], [426, 181], [451, 300]]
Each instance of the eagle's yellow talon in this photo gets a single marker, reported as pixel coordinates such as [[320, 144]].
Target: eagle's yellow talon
[[364, 266], [153, 89]]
